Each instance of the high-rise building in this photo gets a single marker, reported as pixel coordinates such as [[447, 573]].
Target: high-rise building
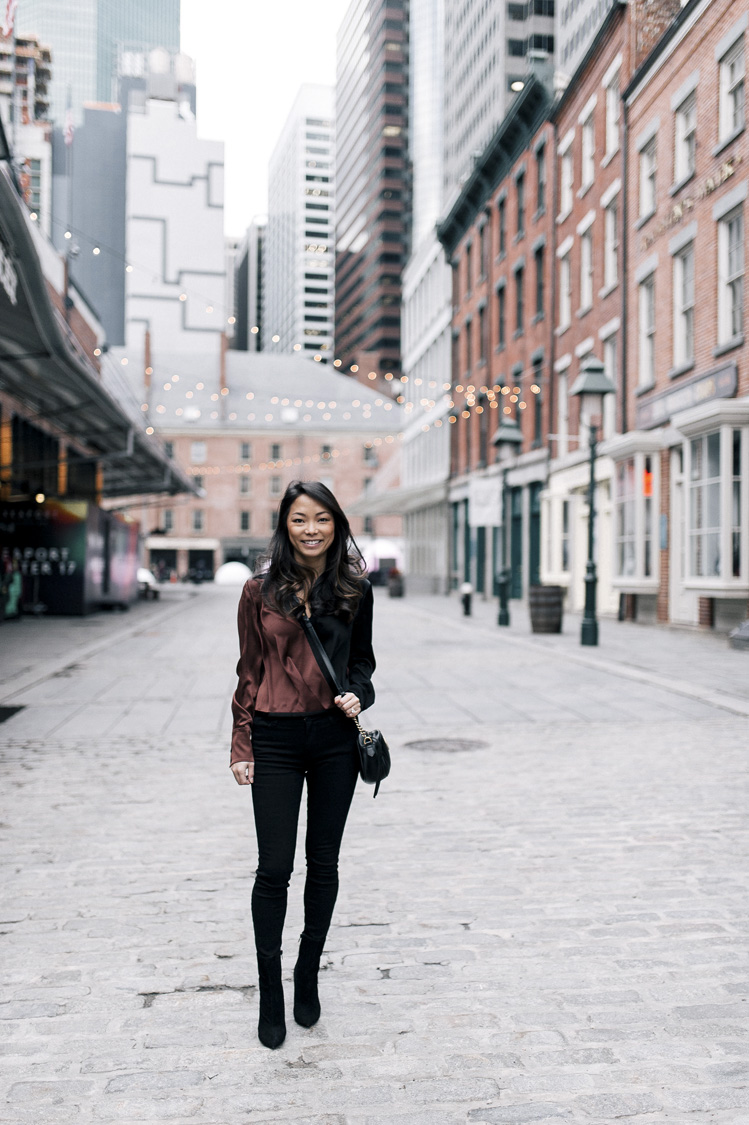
[[299, 263], [23, 82], [86, 37], [489, 49], [248, 288], [575, 25], [372, 186]]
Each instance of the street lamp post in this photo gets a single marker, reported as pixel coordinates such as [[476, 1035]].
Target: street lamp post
[[506, 439], [591, 385]]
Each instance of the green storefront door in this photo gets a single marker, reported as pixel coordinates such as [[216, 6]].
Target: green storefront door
[[516, 542]]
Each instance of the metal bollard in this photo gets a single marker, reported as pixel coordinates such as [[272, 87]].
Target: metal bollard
[[466, 597]]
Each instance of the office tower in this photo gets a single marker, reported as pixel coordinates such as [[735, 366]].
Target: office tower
[[86, 37], [576, 24], [489, 50], [373, 186], [248, 288], [299, 260]]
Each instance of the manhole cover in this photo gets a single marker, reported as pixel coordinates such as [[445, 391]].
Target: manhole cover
[[447, 745], [8, 713]]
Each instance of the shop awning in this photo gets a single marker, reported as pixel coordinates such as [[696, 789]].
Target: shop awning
[[41, 368]]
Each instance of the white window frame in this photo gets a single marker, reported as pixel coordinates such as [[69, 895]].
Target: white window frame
[[731, 277], [613, 113], [198, 522], [732, 91], [566, 184], [641, 452], [242, 515], [684, 305], [275, 486], [646, 330], [168, 520], [245, 451], [565, 291], [561, 370], [685, 138], [198, 453], [610, 369], [245, 484], [611, 244], [648, 171], [588, 152], [586, 271]]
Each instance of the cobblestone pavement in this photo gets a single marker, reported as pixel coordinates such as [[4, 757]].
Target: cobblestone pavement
[[548, 926]]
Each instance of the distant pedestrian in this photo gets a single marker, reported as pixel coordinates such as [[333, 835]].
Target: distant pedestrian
[[288, 728]]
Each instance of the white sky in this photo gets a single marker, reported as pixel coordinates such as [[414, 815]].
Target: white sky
[[252, 56]]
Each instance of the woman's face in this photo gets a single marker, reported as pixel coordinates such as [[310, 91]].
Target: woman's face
[[311, 530]]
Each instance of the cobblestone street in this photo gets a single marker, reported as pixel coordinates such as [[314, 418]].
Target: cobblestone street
[[549, 925]]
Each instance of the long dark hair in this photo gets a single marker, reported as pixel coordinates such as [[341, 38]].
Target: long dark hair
[[286, 581]]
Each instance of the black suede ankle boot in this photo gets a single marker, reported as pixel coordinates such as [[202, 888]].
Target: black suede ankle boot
[[271, 1028], [306, 1000]]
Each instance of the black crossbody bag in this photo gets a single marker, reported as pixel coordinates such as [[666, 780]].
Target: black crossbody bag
[[374, 753]]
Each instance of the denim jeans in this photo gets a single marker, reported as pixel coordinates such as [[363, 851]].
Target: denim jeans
[[288, 749]]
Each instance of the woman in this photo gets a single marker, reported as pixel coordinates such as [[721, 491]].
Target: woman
[[288, 727]]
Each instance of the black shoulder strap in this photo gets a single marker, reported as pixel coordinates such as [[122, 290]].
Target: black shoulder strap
[[320, 654]]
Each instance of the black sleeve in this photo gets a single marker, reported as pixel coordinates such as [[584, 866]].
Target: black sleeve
[[361, 654]]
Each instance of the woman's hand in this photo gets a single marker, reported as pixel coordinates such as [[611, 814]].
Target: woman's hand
[[349, 704], [244, 772]]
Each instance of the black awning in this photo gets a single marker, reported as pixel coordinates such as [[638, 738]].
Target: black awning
[[43, 368]]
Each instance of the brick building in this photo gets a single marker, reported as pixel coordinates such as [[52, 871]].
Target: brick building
[[498, 236], [681, 541]]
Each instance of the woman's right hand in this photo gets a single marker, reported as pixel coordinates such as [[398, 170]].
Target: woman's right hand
[[244, 772]]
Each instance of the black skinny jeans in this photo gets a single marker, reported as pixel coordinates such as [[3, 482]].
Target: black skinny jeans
[[287, 749]]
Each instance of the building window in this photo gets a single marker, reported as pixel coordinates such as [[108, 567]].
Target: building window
[[736, 505], [197, 481], [537, 405], [685, 139], [541, 180], [244, 521], [626, 558], [502, 317], [519, 300], [197, 452], [273, 520], [275, 486], [520, 189], [245, 485], [612, 115], [469, 348], [610, 371], [469, 271], [325, 452], [245, 451], [704, 506], [611, 245], [565, 292], [563, 412], [538, 258], [588, 152], [565, 535], [647, 331], [483, 239], [502, 213], [684, 306], [647, 179], [483, 342], [368, 525], [275, 451], [197, 520], [566, 183], [370, 455], [731, 277], [169, 449], [168, 520], [732, 76], [586, 271]]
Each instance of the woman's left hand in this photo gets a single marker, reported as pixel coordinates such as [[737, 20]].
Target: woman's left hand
[[349, 704]]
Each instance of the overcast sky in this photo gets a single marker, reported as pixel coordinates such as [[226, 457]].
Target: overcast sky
[[252, 56]]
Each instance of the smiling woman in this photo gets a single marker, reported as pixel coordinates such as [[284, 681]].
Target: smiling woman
[[290, 728]]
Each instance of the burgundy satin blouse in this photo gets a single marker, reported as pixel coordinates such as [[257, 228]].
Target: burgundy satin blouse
[[278, 672]]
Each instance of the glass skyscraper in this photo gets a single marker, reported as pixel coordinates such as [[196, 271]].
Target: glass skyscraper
[[85, 37]]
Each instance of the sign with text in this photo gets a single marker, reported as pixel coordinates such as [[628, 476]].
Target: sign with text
[[719, 383]]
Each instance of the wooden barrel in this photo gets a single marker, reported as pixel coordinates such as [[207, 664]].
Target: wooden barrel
[[545, 604]]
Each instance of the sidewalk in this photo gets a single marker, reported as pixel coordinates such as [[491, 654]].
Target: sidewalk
[[543, 917]]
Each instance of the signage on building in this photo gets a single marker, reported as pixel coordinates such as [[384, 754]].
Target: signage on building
[[679, 210], [719, 383], [485, 502]]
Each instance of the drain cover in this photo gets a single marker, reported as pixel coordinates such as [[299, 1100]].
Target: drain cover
[[447, 745], [8, 713]]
